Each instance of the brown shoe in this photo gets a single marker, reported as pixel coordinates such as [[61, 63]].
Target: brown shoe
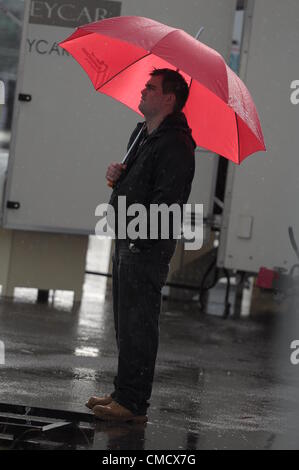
[[93, 401], [116, 412]]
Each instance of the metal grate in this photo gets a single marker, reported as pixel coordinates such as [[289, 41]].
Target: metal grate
[[23, 427]]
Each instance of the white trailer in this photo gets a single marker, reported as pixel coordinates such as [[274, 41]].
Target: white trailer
[[261, 199], [65, 134]]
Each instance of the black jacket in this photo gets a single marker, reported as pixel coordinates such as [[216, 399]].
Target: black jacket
[[160, 170]]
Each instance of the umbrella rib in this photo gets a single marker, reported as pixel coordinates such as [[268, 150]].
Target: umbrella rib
[[238, 138], [122, 70], [191, 81]]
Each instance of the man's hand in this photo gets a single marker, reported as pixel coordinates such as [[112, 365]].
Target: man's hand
[[113, 172]]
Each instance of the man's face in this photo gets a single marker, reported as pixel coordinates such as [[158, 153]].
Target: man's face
[[153, 102]]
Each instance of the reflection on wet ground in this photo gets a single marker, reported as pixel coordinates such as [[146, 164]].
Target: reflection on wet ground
[[219, 384]]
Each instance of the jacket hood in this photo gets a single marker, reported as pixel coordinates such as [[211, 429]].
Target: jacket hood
[[175, 120]]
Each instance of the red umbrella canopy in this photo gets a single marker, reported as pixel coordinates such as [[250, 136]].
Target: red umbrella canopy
[[119, 53]]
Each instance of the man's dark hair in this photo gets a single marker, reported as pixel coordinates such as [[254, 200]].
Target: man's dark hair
[[173, 82]]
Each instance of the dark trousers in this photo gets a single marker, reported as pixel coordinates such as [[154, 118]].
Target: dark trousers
[[138, 279]]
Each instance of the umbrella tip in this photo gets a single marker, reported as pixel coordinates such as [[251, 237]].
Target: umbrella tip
[[199, 32]]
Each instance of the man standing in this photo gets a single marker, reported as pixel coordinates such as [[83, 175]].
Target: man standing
[[159, 170]]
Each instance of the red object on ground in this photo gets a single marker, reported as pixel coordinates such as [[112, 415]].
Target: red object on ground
[[119, 53], [266, 277]]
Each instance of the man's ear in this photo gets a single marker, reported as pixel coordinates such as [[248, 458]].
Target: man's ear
[[171, 98]]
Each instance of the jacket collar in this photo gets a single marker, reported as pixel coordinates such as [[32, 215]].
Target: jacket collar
[[175, 120]]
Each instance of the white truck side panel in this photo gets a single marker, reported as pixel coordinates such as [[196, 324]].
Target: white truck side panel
[[64, 139], [261, 200]]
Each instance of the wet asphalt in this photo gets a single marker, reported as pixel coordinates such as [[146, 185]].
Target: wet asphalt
[[219, 383]]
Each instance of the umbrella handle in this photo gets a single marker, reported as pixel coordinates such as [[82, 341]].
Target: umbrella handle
[[110, 183], [137, 137]]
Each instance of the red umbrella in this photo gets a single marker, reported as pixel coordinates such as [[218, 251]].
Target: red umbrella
[[119, 53]]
